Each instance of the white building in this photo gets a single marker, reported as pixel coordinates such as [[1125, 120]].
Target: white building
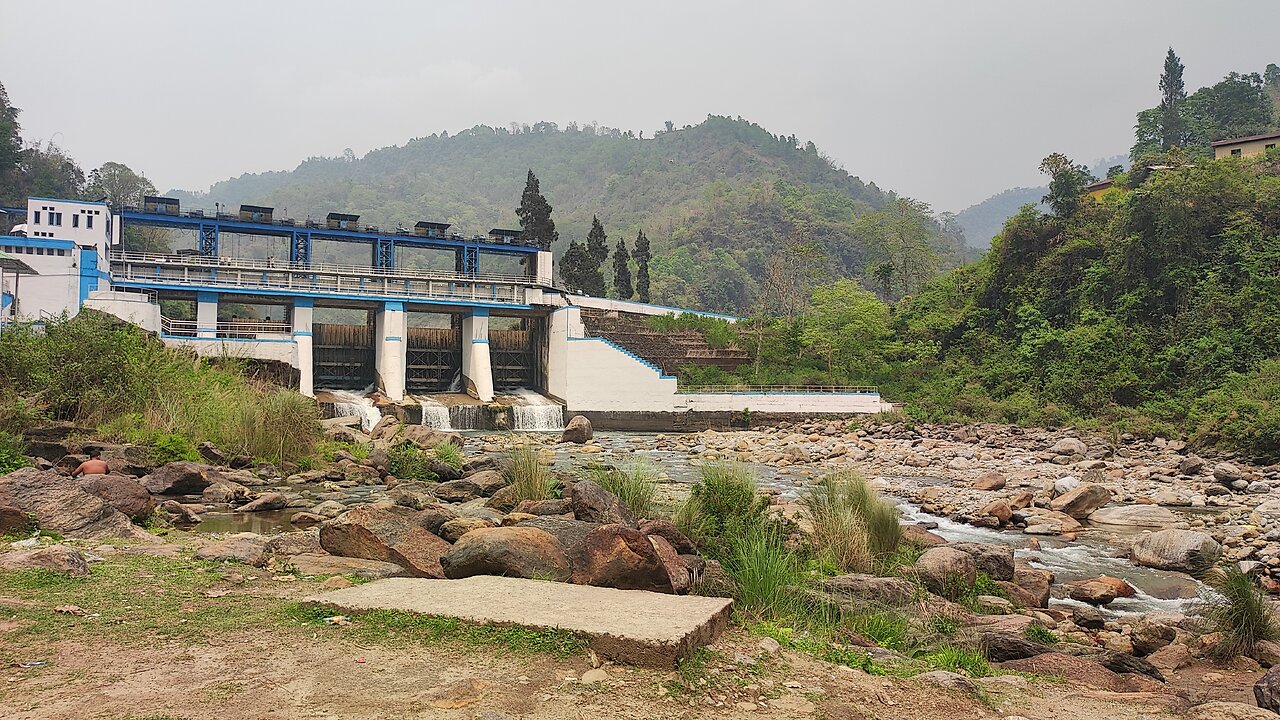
[[66, 242]]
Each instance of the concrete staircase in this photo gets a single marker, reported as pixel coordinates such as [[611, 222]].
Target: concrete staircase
[[670, 351]]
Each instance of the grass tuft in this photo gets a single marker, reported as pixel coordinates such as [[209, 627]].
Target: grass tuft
[[528, 475], [635, 485], [1237, 609], [852, 526]]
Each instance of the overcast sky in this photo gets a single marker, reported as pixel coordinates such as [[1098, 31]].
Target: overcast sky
[[945, 101]]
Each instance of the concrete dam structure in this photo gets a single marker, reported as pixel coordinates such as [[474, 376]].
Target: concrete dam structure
[[413, 314]]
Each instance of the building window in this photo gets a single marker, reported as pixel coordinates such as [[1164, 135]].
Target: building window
[[88, 222], [1236, 152], [35, 218], [55, 219], [75, 221]]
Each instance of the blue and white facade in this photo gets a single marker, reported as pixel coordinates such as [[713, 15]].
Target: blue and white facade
[[68, 243]]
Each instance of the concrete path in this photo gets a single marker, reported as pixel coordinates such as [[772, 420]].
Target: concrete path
[[629, 626]]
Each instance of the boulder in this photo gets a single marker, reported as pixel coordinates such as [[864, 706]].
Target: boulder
[[180, 512], [1035, 582], [504, 500], [1002, 647], [1069, 446], [621, 557], [856, 588], [386, 428], [1048, 522], [324, 564], [388, 534], [329, 509], [1226, 473], [1191, 465], [948, 680], [1170, 658], [487, 482], [180, 478], [434, 517], [1149, 636], [54, 558], [1077, 670], [247, 548], [1064, 485], [570, 533], [427, 437], [14, 521], [1266, 691], [577, 430], [1088, 617], [1082, 501], [211, 453], [63, 506], [1099, 591], [457, 491], [994, 560], [297, 542], [946, 571], [998, 509], [1222, 710], [123, 493], [225, 492], [916, 535], [1187, 551], [414, 495], [1134, 516], [668, 531], [524, 552], [592, 503], [267, 501], [989, 480], [544, 507], [454, 529]]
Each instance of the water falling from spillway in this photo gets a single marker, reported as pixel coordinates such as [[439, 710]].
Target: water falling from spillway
[[434, 414], [468, 417], [347, 403], [532, 412]]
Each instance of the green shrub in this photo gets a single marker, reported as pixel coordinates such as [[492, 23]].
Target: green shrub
[[407, 461], [768, 574], [449, 454], [722, 506], [12, 452], [1237, 609], [852, 526], [1041, 634], [959, 659], [167, 448], [887, 628], [635, 485], [984, 585], [18, 412], [1243, 415], [528, 475]]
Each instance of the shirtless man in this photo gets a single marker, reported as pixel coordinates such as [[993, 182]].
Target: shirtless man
[[93, 466]]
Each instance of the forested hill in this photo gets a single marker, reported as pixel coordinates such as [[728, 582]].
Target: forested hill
[[717, 200]]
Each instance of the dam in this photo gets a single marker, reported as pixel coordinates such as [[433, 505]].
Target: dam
[[403, 314]]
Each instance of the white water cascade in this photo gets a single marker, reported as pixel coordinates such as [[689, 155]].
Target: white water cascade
[[347, 403], [534, 413], [434, 414]]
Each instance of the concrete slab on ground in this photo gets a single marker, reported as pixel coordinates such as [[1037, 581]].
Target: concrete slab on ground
[[636, 627]]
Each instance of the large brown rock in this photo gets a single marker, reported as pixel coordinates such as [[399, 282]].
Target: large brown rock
[[267, 501], [1035, 582], [1222, 710], [570, 533], [557, 506], [577, 430], [668, 531], [1187, 551], [1100, 590], [857, 589], [946, 571], [123, 493], [427, 437], [457, 491], [60, 504], [1077, 670], [14, 521], [1082, 501], [456, 528], [1266, 691], [994, 560], [592, 503], [247, 548], [1149, 636], [324, 564], [180, 478], [523, 552], [487, 482], [389, 534], [54, 558], [225, 492], [916, 535], [621, 557]]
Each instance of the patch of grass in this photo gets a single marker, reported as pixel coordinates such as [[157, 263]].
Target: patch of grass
[[944, 624], [768, 573], [887, 628], [449, 454], [816, 643], [1040, 634], [723, 507], [1237, 609], [852, 526], [693, 674], [168, 447], [394, 626], [407, 461], [959, 659], [528, 475], [634, 484], [984, 585], [903, 556], [12, 452]]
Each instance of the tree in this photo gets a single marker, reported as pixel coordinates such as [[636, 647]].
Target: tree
[[119, 184], [622, 271], [642, 266], [597, 246], [1067, 182], [10, 149], [535, 215], [847, 326], [1272, 75], [1173, 93], [46, 171], [883, 274], [575, 266]]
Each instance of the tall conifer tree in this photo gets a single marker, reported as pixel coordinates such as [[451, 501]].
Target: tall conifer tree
[[535, 215], [1173, 93], [622, 271], [642, 266]]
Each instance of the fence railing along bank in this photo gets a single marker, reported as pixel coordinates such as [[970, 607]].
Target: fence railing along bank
[[780, 389]]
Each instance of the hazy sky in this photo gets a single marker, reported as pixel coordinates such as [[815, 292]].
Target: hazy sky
[[947, 101]]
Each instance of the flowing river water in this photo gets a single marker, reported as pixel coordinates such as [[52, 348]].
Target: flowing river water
[[1095, 552]]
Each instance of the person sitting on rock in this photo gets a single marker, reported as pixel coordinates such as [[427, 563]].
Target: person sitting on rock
[[95, 465]]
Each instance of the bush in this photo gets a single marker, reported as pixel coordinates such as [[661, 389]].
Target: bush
[[13, 452], [1237, 609], [852, 527], [723, 506], [767, 572], [960, 659], [449, 454], [528, 475], [1040, 634], [406, 461], [167, 448], [635, 485]]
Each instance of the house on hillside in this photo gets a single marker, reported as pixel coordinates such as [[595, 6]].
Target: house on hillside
[[1100, 189], [1245, 146]]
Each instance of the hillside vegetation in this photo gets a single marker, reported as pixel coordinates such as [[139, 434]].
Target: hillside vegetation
[[717, 200]]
